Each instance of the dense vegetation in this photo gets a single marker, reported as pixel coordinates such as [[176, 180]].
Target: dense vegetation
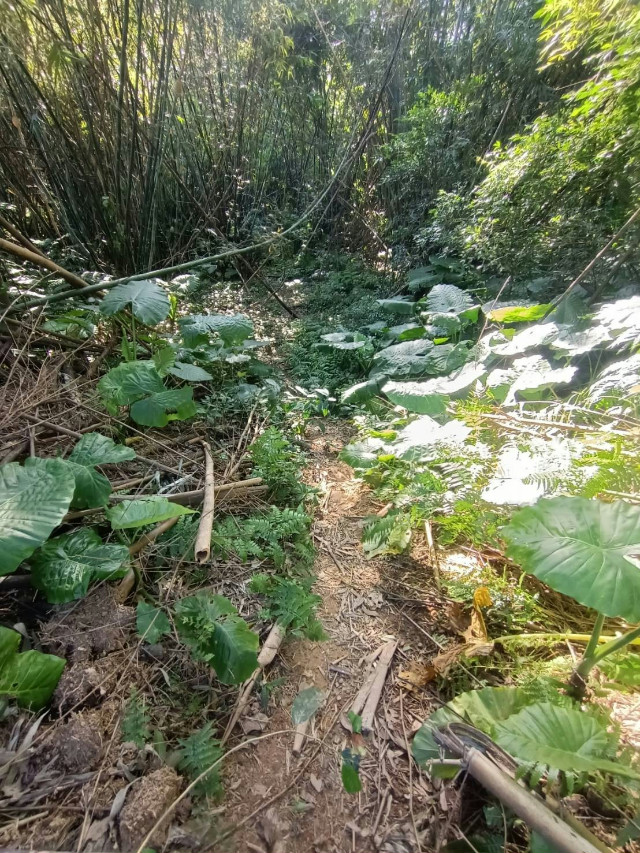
[[439, 206]]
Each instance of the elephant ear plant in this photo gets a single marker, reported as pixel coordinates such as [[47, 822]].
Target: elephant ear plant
[[588, 550]]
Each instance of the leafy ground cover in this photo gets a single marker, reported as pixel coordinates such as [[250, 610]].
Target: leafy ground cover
[[473, 498]]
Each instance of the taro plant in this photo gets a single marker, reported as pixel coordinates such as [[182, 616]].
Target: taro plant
[[210, 626], [588, 550], [550, 737]]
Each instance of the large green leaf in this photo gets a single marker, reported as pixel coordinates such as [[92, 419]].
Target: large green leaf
[[528, 339], [154, 410], [422, 277], [399, 306], [363, 454], [432, 396], [413, 359], [343, 341], [148, 301], [403, 360], [65, 566], [151, 622], [33, 502], [29, 677], [128, 382], [509, 313], [210, 626], [572, 342], [560, 738], [622, 320], [528, 378], [421, 435], [231, 328], [585, 549], [622, 378], [189, 372], [483, 708], [362, 391], [542, 467], [447, 299], [92, 487], [144, 511], [97, 449]]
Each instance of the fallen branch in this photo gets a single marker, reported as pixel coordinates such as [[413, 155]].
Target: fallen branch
[[267, 655], [147, 538], [129, 580], [567, 837], [19, 236], [74, 434], [231, 491], [203, 539], [196, 497], [377, 685], [41, 260]]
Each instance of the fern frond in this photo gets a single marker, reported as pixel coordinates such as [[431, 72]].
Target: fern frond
[[134, 727], [197, 753]]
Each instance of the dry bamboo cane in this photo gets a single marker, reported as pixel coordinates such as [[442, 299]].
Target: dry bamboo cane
[[371, 705], [42, 261], [203, 539]]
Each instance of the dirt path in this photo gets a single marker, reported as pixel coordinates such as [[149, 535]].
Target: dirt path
[[361, 610]]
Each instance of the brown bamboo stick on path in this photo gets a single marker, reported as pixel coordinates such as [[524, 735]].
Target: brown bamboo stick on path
[[381, 671], [41, 261], [203, 539]]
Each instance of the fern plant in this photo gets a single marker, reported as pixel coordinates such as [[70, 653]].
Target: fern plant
[[197, 753], [210, 626], [291, 603], [279, 463], [388, 535], [134, 727], [281, 535]]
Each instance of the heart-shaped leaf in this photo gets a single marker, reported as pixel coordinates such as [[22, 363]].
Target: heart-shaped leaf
[[585, 549], [151, 622], [306, 704], [65, 566], [33, 501], [148, 301], [151, 510], [29, 677]]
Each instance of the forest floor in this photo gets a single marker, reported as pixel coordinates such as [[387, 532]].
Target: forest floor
[[71, 781], [365, 604]]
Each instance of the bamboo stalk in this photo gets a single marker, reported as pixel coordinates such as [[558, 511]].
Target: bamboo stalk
[[41, 261], [377, 685], [203, 539]]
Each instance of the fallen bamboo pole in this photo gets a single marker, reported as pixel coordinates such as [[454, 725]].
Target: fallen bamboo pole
[[197, 496], [377, 685], [41, 261], [203, 539], [533, 811]]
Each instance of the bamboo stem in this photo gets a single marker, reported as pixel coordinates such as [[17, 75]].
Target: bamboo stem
[[203, 539], [41, 261]]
